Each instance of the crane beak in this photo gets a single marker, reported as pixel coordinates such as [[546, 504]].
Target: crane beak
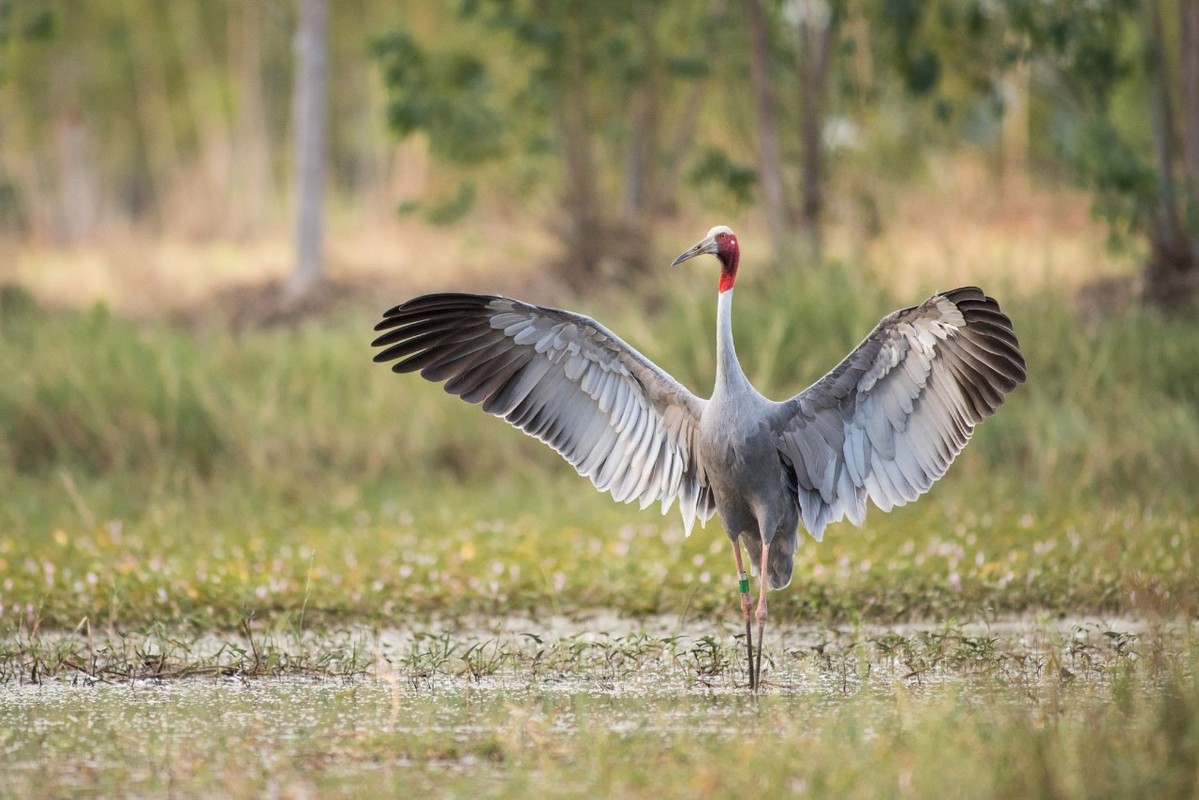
[[706, 247]]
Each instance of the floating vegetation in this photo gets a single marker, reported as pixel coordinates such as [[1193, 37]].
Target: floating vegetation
[[605, 707], [606, 651]]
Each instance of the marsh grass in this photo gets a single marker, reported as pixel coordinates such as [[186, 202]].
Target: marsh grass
[[619, 708], [607, 650]]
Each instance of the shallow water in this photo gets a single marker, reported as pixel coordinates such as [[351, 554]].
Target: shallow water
[[411, 704]]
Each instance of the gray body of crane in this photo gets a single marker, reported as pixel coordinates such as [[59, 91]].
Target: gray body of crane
[[884, 424]]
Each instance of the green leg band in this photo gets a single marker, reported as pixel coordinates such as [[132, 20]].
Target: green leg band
[[744, 585]]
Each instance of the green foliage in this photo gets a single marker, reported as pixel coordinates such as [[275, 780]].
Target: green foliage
[[446, 210], [558, 93], [13, 217], [948, 58], [920, 67], [1122, 177], [1096, 56], [1085, 43], [122, 403], [734, 181], [447, 95], [689, 65], [38, 24], [453, 208]]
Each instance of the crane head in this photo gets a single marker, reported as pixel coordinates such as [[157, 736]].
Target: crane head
[[722, 243]]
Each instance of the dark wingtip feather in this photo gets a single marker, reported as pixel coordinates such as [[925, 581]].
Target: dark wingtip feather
[[409, 322], [993, 328]]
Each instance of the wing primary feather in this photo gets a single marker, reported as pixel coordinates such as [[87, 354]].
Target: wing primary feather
[[905, 402], [885, 423]]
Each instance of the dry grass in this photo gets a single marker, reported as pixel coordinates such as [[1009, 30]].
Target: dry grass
[[956, 228], [964, 228], [152, 277]]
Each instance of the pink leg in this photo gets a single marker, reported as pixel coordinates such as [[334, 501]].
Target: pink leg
[[743, 585], [761, 613]]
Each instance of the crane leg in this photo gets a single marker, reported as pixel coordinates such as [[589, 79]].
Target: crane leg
[[743, 585], [761, 613]]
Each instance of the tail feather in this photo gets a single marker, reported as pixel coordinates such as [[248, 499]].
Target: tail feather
[[782, 558]]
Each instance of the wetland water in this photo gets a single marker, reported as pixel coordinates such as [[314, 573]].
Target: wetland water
[[294, 714]]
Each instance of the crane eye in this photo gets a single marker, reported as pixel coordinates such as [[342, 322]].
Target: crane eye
[[722, 236]]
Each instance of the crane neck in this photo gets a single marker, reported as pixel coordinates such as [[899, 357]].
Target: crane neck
[[729, 375], [729, 260]]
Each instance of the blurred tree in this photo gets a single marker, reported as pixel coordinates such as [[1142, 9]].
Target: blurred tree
[[173, 114], [808, 56], [817, 23], [948, 60], [181, 114], [770, 162], [1113, 63], [310, 155], [252, 177], [1188, 45], [641, 165], [1113, 72], [597, 78], [586, 84]]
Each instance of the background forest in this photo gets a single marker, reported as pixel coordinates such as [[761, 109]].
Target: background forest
[[585, 130]]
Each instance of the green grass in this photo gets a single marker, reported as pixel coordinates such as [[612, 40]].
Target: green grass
[[150, 470]]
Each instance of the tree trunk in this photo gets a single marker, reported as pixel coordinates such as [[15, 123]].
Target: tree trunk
[[816, 31], [585, 232], [251, 182], [1015, 175], [677, 149], [643, 132], [78, 187], [152, 109], [309, 269], [1189, 49], [683, 137], [1170, 273], [770, 174], [207, 186], [582, 235]]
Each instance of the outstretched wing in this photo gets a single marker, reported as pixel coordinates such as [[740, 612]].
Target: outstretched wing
[[890, 418], [565, 379]]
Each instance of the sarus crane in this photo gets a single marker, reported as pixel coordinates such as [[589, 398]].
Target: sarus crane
[[884, 424]]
